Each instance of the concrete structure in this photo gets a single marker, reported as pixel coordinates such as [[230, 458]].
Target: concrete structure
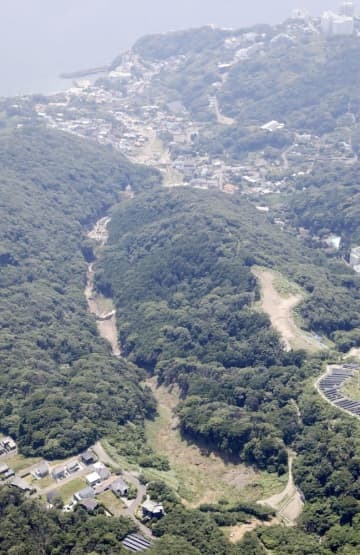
[[333, 24]]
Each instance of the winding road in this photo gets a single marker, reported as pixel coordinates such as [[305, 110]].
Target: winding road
[[132, 509]]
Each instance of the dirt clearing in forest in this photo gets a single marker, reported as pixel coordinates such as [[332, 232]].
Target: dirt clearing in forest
[[278, 299], [237, 533], [199, 475]]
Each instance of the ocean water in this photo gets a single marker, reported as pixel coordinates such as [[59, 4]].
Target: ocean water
[[39, 39]]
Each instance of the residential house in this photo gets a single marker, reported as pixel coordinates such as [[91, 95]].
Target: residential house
[[20, 484], [89, 504], [119, 487], [52, 495], [104, 473], [3, 469], [88, 457], [8, 474], [152, 509], [9, 444], [93, 478], [86, 493], [59, 473], [41, 471], [72, 467]]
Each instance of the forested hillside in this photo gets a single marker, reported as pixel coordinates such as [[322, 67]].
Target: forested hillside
[[269, 114], [330, 203], [179, 268], [59, 387]]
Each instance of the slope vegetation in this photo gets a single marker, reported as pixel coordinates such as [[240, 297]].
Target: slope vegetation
[[59, 387]]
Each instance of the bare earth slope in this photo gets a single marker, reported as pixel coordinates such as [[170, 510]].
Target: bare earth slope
[[280, 310]]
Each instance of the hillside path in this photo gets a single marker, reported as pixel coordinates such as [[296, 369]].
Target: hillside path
[[278, 308], [288, 503], [280, 311]]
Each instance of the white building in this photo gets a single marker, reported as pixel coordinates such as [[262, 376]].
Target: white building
[[299, 14], [93, 479], [355, 256], [333, 241], [347, 8], [333, 24], [272, 126]]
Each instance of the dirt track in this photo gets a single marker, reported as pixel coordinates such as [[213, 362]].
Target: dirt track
[[107, 327], [280, 310], [287, 503]]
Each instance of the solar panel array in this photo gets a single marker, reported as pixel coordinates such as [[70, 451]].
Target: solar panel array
[[136, 543], [330, 385]]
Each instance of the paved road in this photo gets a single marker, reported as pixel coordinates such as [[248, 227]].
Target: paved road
[[131, 510]]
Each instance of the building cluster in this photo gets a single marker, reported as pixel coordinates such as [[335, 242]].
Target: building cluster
[[127, 110], [343, 23]]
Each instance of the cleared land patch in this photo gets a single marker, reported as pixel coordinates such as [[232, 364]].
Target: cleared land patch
[[279, 298], [112, 503], [199, 475], [67, 490]]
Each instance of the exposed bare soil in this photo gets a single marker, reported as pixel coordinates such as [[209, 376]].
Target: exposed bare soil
[[280, 310], [98, 305], [287, 503], [201, 475]]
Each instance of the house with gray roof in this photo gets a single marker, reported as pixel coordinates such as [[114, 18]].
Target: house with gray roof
[[86, 493], [89, 504], [41, 471], [59, 473], [119, 487], [88, 457], [20, 484], [3, 468]]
